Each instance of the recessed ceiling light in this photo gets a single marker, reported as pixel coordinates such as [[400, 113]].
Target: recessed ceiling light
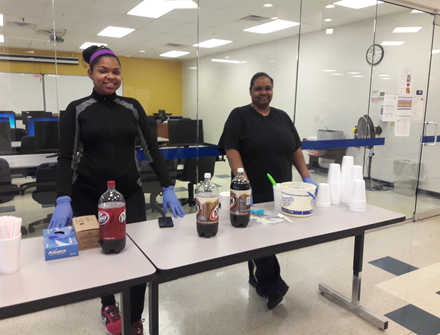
[[336, 74], [270, 27], [2, 38], [354, 73], [329, 31], [268, 5], [406, 29], [212, 43], [357, 76], [232, 61], [328, 70], [392, 43], [357, 4], [330, 6], [327, 20], [384, 75], [117, 32], [157, 8], [174, 54], [142, 51], [435, 51], [1, 19], [384, 78], [274, 18], [415, 11], [88, 44]]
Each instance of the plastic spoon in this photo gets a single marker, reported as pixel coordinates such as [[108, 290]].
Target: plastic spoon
[[271, 180]]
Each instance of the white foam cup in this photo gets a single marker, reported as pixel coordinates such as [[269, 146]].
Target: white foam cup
[[225, 200], [347, 163], [335, 193], [358, 192], [323, 197], [10, 255], [357, 207], [277, 195], [334, 173]]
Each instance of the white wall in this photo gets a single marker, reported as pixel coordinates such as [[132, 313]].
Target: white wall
[[337, 100]]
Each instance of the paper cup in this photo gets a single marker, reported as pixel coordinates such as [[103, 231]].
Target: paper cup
[[323, 197], [225, 200], [10, 255], [334, 173], [277, 195]]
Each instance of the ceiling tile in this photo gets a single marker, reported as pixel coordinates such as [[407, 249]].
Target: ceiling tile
[[162, 25], [99, 17]]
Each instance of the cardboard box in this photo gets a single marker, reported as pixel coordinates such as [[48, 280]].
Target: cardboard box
[[60, 243], [87, 232]]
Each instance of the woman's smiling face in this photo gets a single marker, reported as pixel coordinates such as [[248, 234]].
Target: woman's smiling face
[[106, 75]]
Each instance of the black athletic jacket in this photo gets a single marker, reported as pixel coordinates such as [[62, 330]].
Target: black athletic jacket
[[97, 144]]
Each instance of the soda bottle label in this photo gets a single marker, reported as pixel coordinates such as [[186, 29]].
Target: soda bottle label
[[111, 223], [207, 210], [240, 202]]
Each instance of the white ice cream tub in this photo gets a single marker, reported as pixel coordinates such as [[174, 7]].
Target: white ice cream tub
[[297, 199]]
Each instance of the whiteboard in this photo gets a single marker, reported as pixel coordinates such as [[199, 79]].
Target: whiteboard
[[21, 91], [70, 88]]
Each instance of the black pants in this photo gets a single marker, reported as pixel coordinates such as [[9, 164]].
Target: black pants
[[87, 204], [265, 273]]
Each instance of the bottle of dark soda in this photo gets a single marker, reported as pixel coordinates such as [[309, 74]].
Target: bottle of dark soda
[[207, 208], [240, 211], [111, 217]]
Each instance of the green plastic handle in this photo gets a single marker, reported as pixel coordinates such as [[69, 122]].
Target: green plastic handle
[[271, 180]]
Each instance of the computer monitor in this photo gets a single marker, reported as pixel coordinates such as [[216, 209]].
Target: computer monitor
[[25, 115], [153, 124], [161, 115], [10, 115], [5, 137], [46, 136], [31, 121], [184, 132]]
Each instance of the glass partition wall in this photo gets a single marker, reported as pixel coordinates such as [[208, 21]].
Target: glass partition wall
[[318, 60]]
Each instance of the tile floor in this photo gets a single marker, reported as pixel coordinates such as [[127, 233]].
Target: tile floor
[[400, 280]]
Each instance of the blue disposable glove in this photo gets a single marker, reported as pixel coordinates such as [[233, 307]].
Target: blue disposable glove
[[252, 199], [170, 199], [311, 181], [63, 213]]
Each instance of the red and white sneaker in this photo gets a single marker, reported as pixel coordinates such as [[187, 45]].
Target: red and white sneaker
[[111, 318], [137, 328]]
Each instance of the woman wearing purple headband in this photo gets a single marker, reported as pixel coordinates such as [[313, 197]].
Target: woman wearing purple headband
[[97, 144]]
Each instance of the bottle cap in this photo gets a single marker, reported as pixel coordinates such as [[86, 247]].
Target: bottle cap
[[240, 170], [111, 183], [207, 175]]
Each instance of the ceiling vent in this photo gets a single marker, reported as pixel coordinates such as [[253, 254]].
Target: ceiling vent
[[20, 24], [175, 45], [253, 18]]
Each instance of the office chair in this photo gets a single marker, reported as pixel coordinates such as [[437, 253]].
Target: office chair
[[151, 185], [8, 191], [17, 134], [205, 164], [28, 145], [46, 192]]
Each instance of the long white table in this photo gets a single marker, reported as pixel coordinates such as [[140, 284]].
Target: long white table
[[28, 161], [178, 252], [40, 284]]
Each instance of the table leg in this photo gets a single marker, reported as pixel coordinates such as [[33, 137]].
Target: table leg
[[153, 307], [126, 311], [353, 305]]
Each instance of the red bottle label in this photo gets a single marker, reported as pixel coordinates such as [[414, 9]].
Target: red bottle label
[[111, 223]]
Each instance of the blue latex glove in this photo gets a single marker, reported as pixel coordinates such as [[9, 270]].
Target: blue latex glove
[[63, 213], [311, 181], [252, 199], [170, 199]]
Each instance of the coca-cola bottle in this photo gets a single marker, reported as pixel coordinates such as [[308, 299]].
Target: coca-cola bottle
[[111, 217], [207, 208], [240, 210]]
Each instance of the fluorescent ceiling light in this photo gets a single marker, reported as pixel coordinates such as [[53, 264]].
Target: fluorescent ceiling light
[[142, 51], [357, 76], [329, 31], [415, 11], [157, 8], [88, 44], [1, 19], [328, 20], [330, 6], [227, 61], [2, 38], [406, 29], [270, 27], [174, 54], [435, 51], [392, 43], [192, 68], [336, 74], [357, 4], [384, 78], [329, 70], [212, 43], [117, 32], [268, 5], [384, 75], [354, 73]]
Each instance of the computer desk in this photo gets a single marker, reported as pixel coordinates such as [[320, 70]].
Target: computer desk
[[185, 253], [40, 284]]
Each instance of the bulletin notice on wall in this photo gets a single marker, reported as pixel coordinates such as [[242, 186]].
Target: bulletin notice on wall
[[403, 115]]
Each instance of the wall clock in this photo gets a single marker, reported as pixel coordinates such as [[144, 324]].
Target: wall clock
[[375, 54]]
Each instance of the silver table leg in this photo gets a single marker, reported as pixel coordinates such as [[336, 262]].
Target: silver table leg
[[353, 305]]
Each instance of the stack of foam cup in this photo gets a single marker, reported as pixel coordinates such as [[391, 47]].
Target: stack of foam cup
[[334, 182], [358, 201], [323, 197], [347, 163], [356, 173]]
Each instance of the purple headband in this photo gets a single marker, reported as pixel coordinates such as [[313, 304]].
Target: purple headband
[[102, 52]]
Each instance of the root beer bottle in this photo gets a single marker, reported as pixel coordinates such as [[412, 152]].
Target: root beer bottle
[[207, 208], [240, 211]]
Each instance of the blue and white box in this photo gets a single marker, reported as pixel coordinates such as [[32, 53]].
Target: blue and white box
[[60, 243]]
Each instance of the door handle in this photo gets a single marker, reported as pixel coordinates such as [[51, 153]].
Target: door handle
[[435, 132]]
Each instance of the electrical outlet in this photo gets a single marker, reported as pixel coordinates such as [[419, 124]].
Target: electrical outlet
[[316, 117]]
